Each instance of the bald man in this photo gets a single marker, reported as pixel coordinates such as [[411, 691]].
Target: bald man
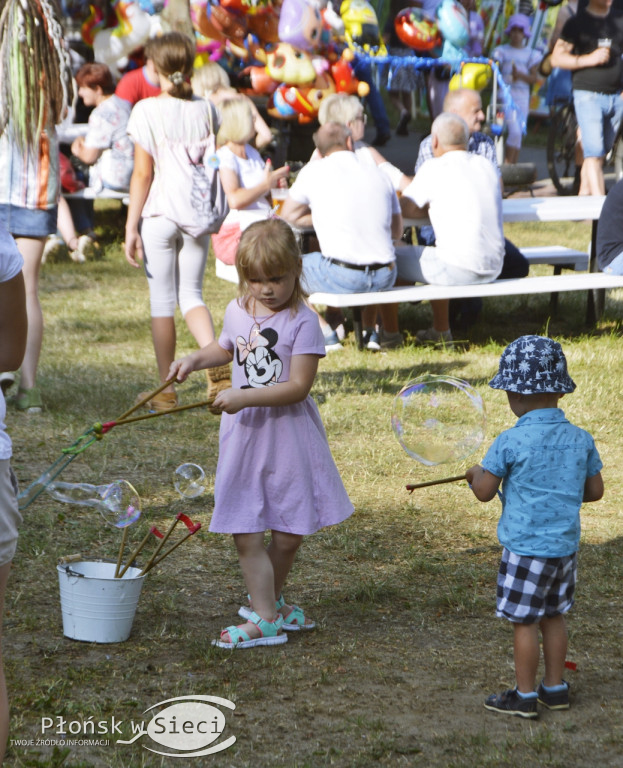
[[460, 192], [467, 104]]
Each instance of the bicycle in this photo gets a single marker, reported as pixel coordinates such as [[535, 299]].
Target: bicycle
[[561, 151]]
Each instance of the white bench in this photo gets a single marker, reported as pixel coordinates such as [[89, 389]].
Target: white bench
[[588, 281], [89, 193]]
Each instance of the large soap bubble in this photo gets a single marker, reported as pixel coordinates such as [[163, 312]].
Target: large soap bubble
[[189, 480], [118, 502], [438, 419]]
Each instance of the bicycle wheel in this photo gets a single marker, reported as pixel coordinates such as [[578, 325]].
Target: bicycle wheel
[[561, 142]]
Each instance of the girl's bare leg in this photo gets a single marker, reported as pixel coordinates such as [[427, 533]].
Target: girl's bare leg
[[31, 249], [199, 322], [259, 577], [163, 336]]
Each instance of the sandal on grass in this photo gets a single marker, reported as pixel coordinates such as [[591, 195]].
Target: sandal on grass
[[270, 633], [294, 621]]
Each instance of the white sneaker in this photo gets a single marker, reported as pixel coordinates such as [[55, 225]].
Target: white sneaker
[[54, 249], [435, 338]]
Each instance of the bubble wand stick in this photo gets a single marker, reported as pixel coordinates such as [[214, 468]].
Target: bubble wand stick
[[412, 486]]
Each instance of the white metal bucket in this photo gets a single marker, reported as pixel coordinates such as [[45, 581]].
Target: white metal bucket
[[97, 607]]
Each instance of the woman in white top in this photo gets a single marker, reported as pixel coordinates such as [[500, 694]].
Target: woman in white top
[[171, 211], [247, 179]]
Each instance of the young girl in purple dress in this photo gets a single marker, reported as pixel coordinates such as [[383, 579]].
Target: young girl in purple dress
[[275, 470]]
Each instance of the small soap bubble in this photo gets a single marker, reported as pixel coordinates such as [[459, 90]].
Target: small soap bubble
[[189, 480], [438, 419]]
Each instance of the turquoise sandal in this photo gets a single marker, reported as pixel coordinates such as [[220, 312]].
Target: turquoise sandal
[[293, 622], [270, 633]]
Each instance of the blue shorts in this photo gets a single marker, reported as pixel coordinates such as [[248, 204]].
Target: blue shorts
[[319, 274], [25, 222], [533, 588], [599, 116]]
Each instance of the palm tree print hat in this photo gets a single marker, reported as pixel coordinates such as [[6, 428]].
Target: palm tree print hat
[[533, 365]]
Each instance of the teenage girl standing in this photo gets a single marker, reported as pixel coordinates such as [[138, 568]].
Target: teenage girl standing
[[275, 470], [170, 212]]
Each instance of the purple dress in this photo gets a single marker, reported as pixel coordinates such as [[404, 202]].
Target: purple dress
[[275, 469]]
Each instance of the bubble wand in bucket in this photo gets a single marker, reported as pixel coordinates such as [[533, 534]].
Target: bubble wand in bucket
[[438, 420]]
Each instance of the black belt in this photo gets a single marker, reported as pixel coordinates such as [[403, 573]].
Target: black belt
[[360, 267]]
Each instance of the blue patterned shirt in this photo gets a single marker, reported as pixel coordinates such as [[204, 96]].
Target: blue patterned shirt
[[479, 143], [543, 461]]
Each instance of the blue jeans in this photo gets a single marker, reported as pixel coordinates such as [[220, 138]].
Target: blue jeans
[[599, 116], [374, 101], [615, 267], [319, 274]]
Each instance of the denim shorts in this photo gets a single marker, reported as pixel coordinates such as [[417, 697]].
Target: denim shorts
[[319, 274], [26, 222], [599, 116], [420, 264]]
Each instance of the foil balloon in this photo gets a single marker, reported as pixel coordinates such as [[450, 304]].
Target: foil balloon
[[300, 24], [416, 30]]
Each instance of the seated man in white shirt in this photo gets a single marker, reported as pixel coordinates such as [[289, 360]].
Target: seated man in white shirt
[[460, 192], [355, 213]]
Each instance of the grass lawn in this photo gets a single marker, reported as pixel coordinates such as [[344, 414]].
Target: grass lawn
[[407, 645]]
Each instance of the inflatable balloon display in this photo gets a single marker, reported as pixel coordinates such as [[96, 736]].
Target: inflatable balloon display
[[416, 30], [300, 24]]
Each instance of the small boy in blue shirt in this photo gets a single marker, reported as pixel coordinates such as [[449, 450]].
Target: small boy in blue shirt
[[547, 468]]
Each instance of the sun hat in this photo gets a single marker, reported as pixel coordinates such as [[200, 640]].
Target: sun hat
[[519, 20], [533, 365]]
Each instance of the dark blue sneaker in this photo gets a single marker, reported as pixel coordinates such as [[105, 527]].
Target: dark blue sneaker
[[371, 340], [554, 699], [510, 703]]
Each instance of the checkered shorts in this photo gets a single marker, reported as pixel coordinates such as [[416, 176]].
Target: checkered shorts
[[530, 588]]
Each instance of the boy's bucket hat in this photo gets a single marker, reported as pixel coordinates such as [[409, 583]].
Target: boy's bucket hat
[[533, 365], [519, 20]]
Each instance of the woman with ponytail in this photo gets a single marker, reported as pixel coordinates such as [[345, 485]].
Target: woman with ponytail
[[170, 215]]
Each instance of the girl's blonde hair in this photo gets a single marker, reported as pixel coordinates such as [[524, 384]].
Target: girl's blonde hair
[[236, 121], [340, 108], [271, 248], [173, 55], [209, 78]]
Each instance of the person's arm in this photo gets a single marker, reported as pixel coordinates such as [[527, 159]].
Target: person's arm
[[410, 210], [483, 484], [13, 323], [397, 226], [564, 58], [302, 373], [530, 77], [140, 183], [88, 155], [240, 197], [593, 488], [295, 213], [210, 356]]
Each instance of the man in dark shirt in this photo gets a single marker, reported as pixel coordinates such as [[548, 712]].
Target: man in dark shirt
[[610, 232], [590, 45]]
